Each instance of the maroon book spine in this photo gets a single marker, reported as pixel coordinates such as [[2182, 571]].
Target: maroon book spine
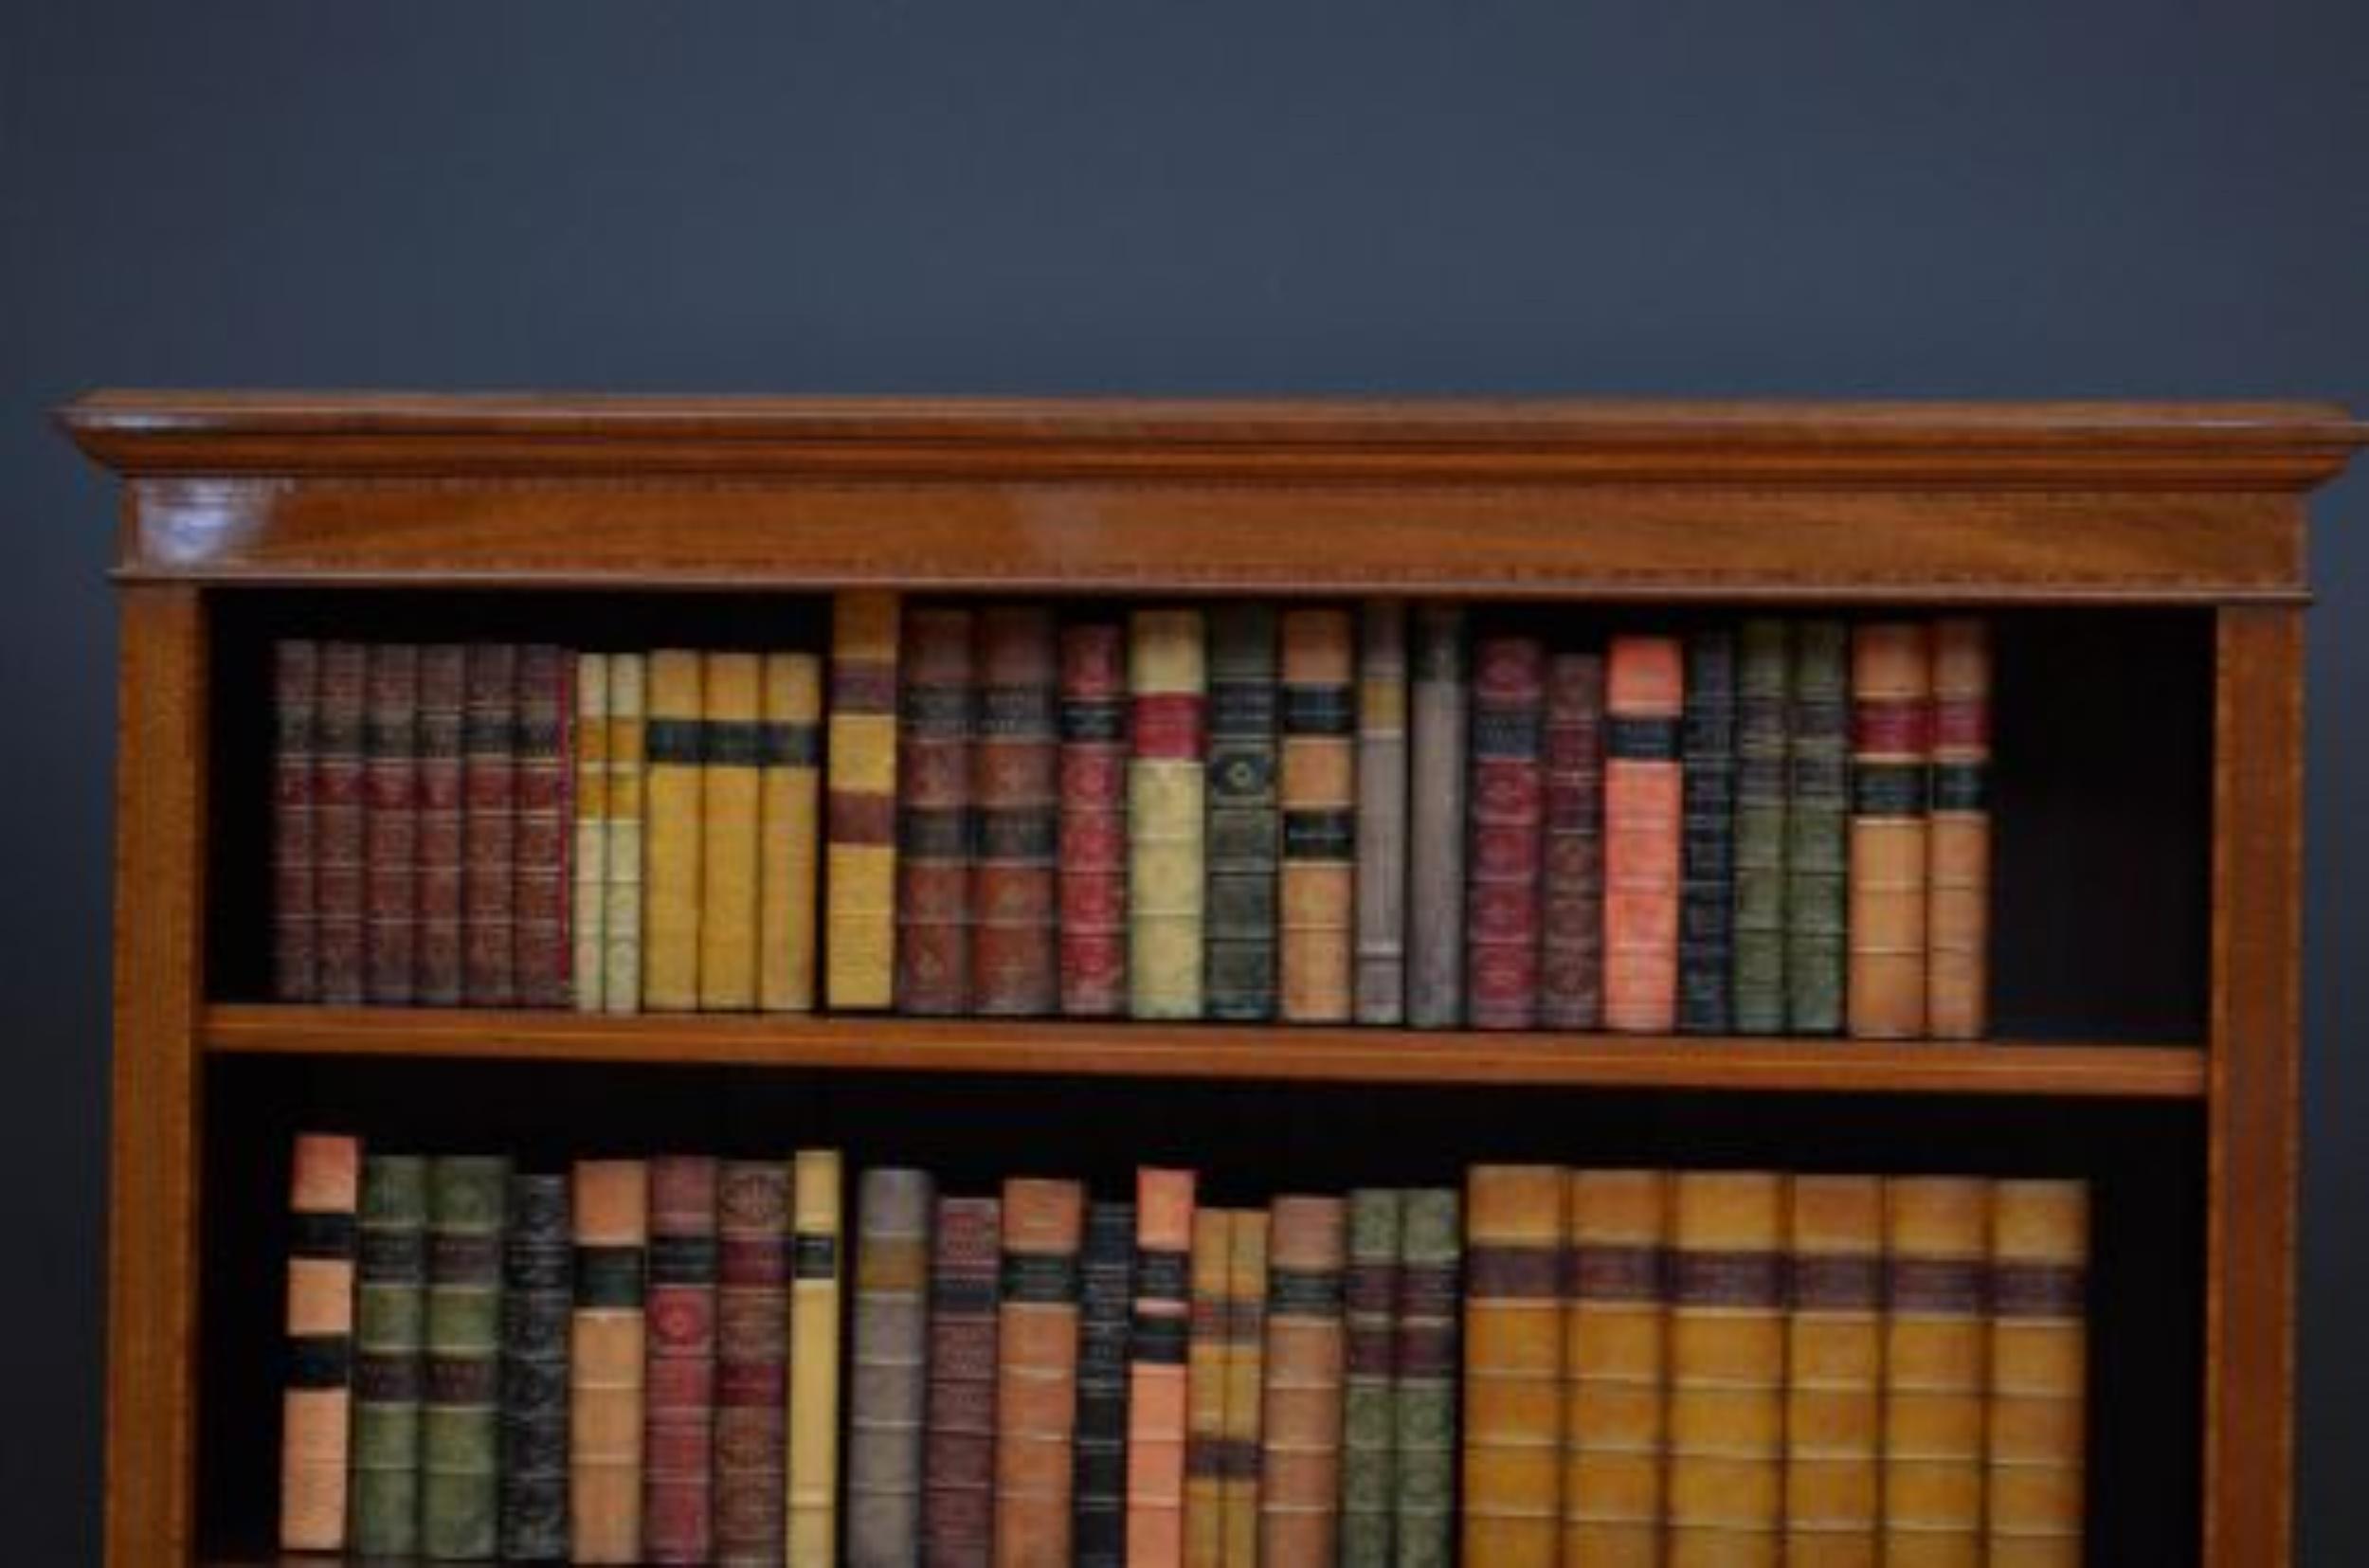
[[678, 1497], [544, 952], [391, 813], [958, 1452], [1502, 914], [296, 690], [441, 848], [340, 823], [490, 807], [1571, 940], [1015, 764], [1093, 820], [933, 815], [752, 1345]]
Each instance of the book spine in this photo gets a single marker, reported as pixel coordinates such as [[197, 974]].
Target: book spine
[[539, 1295], [622, 868], [296, 687], [1835, 1369], [1035, 1384], [934, 820], [1201, 1520], [1369, 1413], [489, 785], [2038, 1372], [1245, 1356], [1164, 805], [1615, 1325], [1937, 1240], [672, 796], [1644, 693], [1093, 820], [1818, 839], [1299, 1496], [958, 1482], [1157, 1395], [815, 1290], [1958, 917], [1016, 764], [544, 946], [1891, 753], [860, 805], [678, 1424], [731, 762], [392, 822], [316, 1398], [1513, 1366], [587, 866], [1318, 794], [1425, 1361], [340, 824], [789, 824], [1571, 890], [1764, 699], [1245, 825], [753, 1199], [1507, 833], [461, 1420], [1436, 786], [606, 1350], [1381, 873], [1706, 886], [440, 961], [390, 1343], [1106, 1293], [1724, 1473], [887, 1369]]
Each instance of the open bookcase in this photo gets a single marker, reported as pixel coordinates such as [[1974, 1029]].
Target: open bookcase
[[2144, 567]]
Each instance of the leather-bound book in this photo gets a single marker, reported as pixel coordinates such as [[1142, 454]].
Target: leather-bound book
[[543, 945], [1201, 1525], [1093, 820], [752, 1351], [1299, 1468], [958, 1459], [672, 797], [887, 1368], [1436, 817], [1106, 1297], [1369, 1406], [1245, 827], [860, 805], [1317, 892], [316, 1398], [814, 1310], [1571, 888], [2038, 1372], [296, 690], [934, 818], [1381, 813], [1156, 1372], [1644, 693], [1937, 1240], [587, 864], [1616, 1327], [1245, 1364], [621, 871], [390, 805], [1957, 867], [1513, 1366], [1764, 699], [1818, 836], [1036, 1382], [1707, 896], [1164, 804], [731, 787], [1892, 757], [1507, 833], [438, 960], [606, 1351], [679, 1426], [1725, 1475], [461, 1417], [489, 789], [340, 824], [390, 1346], [1431, 1251], [1015, 783], [789, 830], [1834, 1372], [539, 1296]]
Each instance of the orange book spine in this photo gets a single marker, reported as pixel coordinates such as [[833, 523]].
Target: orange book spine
[[2038, 1372], [606, 1360], [1513, 1345], [324, 1187], [1615, 1325], [1726, 1476], [1299, 1468], [1835, 1362], [1957, 862], [1157, 1376], [1937, 1235], [1645, 692], [1035, 1392], [1317, 893], [1891, 691]]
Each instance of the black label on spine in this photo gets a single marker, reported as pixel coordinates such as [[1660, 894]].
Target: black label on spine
[[1163, 1274], [671, 739], [1039, 1278], [813, 1256], [1315, 1292], [319, 1361], [1160, 1339], [1319, 710], [1089, 721], [609, 1277], [1319, 834], [1631, 738], [1961, 786], [318, 1235], [1887, 789]]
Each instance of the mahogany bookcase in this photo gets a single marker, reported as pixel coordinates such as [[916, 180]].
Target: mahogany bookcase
[[2146, 564]]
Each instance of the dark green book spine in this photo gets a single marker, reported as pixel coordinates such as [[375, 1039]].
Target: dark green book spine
[[390, 1336], [1817, 856], [1426, 1362], [1369, 1406], [1706, 886], [1763, 687], [1245, 827], [1106, 1299], [537, 1298], [460, 1426]]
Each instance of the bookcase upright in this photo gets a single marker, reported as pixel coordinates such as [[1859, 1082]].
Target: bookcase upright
[[2145, 562]]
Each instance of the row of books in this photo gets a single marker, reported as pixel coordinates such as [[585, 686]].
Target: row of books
[[641, 1361], [1387, 815]]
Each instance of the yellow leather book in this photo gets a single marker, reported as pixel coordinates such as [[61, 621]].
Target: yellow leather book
[[1615, 1326], [1205, 1389], [1245, 1382], [673, 791], [1726, 1475], [1514, 1341], [816, 1183], [730, 761], [620, 866], [2038, 1372], [587, 969], [1165, 798], [859, 859], [1937, 1235], [1835, 1370], [789, 825], [1891, 699]]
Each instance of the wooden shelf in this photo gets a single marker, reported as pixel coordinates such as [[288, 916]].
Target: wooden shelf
[[1220, 1051]]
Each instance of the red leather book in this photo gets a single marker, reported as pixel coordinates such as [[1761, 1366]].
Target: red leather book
[[1571, 942], [752, 1360], [958, 1453], [296, 690], [933, 814], [677, 1517], [392, 819], [1645, 687], [1502, 909], [1093, 820], [489, 843], [441, 827], [544, 952], [339, 823], [1015, 767]]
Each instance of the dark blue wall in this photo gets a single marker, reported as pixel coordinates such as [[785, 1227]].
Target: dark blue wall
[[2113, 198]]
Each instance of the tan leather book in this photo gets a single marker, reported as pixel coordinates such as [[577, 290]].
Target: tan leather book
[[1299, 1466], [1167, 687], [1514, 1341], [789, 829], [859, 861], [730, 784], [620, 866], [1937, 1237], [1644, 695], [1317, 895], [1957, 860], [1835, 1366], [1036, 1389], [1726, 1473], [1615, 1327], [1245, 1380], [588, 863], [606, 1360], [816, 1187], [324, 1188], [1892, 700], [1158, 1388], [1202, 1528], [673, 794], [2038, 1372]]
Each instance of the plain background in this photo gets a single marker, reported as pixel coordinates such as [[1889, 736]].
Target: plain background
[[2009, 199]]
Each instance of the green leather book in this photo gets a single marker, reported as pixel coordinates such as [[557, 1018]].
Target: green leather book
[[1817, 820], [460, 1424], [389, 1335], [1763, 721], [1424, 1366], [1245, 830], [1369, 1406]]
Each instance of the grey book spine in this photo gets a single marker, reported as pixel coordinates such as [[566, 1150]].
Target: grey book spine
[[1763, 723], [1381, 982], [889, 1368], [1105, 1301], [1245, 822], [1425, 1361], [1817, 845], [539, 1295], [389, 1342], [1435, 768], [1707, 876]]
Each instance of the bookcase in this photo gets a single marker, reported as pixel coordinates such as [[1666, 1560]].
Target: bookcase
[[2145, 563]]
